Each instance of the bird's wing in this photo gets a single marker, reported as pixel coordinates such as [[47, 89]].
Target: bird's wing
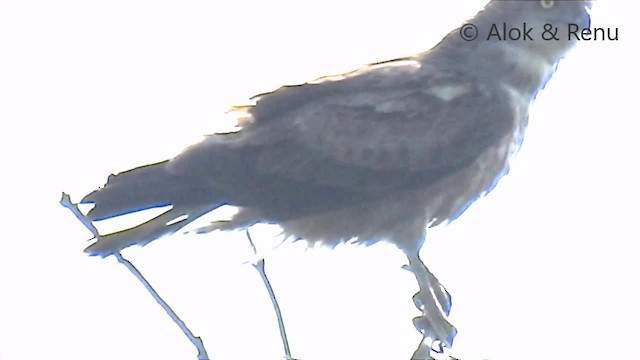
[[389, 127]]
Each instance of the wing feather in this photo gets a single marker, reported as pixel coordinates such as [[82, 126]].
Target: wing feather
[[383, 130]]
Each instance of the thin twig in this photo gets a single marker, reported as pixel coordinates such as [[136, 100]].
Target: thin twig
[[259, 266], [66, 202], [195, 340]]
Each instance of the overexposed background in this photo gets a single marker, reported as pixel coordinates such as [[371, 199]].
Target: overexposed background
[[545, 267]]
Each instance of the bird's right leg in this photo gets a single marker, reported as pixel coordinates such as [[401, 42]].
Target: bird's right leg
[[435, 303]]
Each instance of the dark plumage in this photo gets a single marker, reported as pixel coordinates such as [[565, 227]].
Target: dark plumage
[[377, 154]]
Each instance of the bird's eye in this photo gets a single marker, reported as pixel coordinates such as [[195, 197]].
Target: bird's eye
[[547, 4]]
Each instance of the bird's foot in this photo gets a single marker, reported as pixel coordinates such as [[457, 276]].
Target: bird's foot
[[434, 302]]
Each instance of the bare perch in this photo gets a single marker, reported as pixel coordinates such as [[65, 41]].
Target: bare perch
[[195, 340]]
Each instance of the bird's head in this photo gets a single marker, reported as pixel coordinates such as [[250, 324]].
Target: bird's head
[[516, 42], [554, 25]]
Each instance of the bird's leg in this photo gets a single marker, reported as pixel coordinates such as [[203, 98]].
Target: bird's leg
[[434, 302], [195, 340], [259, 266]]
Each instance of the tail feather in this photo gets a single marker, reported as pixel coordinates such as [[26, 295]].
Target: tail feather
[[143, 188], [145, 233]]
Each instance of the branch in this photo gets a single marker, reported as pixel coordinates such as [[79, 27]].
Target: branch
[[259, 266], [195, 340]]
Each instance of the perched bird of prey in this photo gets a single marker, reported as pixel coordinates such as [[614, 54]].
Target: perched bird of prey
[[378, 154]]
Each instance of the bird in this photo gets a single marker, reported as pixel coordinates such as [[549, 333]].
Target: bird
[[382, 153]]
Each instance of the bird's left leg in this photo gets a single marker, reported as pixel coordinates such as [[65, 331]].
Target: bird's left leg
[[435, 303]]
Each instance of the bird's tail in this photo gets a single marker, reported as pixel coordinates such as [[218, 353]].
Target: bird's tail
[[143, 188]]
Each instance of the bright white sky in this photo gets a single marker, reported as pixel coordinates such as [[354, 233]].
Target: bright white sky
[[544, 267]]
